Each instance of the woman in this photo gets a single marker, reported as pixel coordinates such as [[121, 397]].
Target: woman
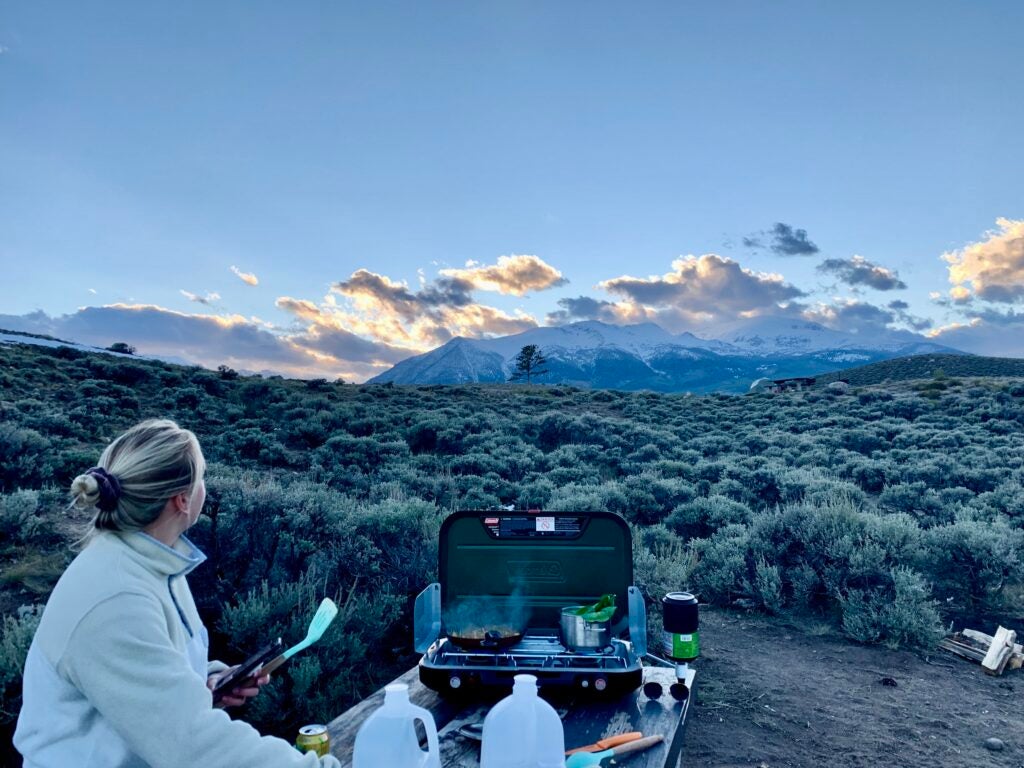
[[117, 674]]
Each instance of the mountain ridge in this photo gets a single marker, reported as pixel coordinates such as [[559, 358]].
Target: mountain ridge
[[645, 356]]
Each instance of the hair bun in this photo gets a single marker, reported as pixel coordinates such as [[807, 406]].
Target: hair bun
[[85, 491]]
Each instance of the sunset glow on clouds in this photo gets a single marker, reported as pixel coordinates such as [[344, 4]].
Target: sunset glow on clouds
[[246, 277], [993, 268], [350, 198], [369, 321], [515, 275]]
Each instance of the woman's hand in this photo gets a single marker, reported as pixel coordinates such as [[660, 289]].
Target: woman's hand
[[238, 695]]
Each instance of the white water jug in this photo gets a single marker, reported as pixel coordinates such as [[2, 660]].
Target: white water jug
[[523, 731], [388, 736]]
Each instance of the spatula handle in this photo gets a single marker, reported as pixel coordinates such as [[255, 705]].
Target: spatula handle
[[638, 746], [271, 665]]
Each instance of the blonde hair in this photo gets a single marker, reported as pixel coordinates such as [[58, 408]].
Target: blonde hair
[[152, 462]]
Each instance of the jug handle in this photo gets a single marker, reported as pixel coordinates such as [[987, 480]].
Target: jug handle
[[433, 756]]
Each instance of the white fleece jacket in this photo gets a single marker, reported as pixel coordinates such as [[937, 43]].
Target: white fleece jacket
[[115, 676]]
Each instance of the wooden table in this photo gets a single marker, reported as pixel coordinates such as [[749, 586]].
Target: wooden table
[[585, 720]]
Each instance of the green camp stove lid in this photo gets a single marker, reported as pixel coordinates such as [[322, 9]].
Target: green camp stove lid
[[498, 567]]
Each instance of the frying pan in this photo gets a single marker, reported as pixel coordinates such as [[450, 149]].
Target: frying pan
[[478, 638]]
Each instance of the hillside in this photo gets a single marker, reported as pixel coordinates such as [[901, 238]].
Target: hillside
[[882, 514], [925, 366]]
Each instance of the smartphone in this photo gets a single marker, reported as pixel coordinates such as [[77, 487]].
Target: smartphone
[[246, 669]]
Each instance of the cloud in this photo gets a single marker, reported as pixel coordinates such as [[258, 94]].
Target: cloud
[[858, 271], [861, 317], [246, 277], [901, 311], [585, 308], [400, 321], [208, 299], [388, 311], [515, 275], [325, 332], [709, 287], [212, 340], [993, 267], [998, 335], [783, 240], [851, 316]]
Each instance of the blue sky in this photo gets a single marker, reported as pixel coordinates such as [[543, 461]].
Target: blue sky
[[146, 149]]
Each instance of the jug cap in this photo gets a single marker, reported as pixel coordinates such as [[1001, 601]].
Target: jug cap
[[396, 693], [525, 682]]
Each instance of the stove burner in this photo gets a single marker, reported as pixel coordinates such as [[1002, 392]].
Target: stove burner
[[537, 650]]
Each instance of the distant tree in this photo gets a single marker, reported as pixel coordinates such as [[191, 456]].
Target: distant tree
[[228, 374], [120, 346], [530, 362]]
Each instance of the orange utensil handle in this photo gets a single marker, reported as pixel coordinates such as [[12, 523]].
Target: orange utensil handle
[[611, 741], [622, 738], [638, 746]]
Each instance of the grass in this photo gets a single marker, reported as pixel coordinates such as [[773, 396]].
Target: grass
[[36, 572]]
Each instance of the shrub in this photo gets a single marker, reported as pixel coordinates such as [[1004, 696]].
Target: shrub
[[16, 633], [768, 586], [320, 682], [703, 516], [19, 521], [974, 562], [900, 613], [23, 457]]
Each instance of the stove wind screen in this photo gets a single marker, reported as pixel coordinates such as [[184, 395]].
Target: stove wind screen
[[555, 559]]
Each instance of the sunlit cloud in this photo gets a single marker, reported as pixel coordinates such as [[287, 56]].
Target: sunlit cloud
[[697, 290], [246, 277], [515, 275], [242, 343], [389, 311], [993, 268]]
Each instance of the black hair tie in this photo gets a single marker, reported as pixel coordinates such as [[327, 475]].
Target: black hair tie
[[110, 488]]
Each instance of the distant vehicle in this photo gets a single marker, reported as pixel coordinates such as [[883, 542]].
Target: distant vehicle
[[774, 386]]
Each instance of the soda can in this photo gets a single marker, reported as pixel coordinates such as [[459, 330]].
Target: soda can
[[314, 738]]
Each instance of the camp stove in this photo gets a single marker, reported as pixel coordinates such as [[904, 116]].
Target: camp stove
[[520, 569]]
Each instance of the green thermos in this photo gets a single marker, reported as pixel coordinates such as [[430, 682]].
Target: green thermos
[[681, 625]]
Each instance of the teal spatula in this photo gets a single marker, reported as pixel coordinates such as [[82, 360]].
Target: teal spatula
[[321, 621]]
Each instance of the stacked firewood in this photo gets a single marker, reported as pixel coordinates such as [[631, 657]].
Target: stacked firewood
[[996, 653]]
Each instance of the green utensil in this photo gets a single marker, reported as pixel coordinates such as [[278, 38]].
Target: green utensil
[[321, 621]]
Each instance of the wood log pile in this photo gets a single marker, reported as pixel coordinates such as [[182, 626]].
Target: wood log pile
[[996, 653]]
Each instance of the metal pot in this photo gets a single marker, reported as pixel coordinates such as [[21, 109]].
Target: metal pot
[[581, 635]]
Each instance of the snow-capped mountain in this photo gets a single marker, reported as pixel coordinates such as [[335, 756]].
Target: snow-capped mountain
[[794, 336], [646, 356]]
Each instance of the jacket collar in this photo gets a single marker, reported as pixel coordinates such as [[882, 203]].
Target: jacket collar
[[163, 560]]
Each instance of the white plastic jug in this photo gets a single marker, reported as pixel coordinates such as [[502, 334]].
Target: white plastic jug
[[388, 737], [523, 731]]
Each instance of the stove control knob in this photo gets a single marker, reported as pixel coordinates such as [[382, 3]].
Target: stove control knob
[[455, 681], [600, 684], [585, 683]]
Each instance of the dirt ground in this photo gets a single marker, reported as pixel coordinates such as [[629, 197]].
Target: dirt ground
[[771, 694]]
